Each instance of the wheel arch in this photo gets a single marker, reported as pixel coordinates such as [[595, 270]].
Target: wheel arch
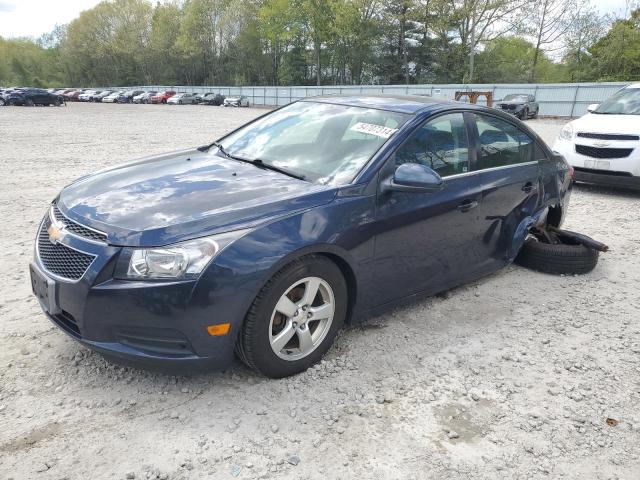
[[334, 253]]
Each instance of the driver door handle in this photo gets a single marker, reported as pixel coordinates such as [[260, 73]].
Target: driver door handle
[[529, 187], [467, 205]]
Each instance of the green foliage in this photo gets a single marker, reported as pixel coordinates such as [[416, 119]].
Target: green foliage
[[307, 42], [616, 56], [508, 60]]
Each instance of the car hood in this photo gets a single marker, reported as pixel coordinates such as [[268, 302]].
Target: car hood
[[598, 123], [182, 195]]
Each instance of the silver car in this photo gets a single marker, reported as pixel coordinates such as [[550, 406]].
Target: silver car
[[236, 101], [183, 99]]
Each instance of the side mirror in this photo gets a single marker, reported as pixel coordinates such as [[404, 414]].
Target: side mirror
[[592, 108], [414, 178]]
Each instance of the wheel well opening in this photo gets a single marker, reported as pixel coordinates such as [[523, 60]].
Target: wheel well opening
[[350, 278], [554, 216]]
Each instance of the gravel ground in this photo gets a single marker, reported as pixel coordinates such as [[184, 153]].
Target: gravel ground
[[514, 376]]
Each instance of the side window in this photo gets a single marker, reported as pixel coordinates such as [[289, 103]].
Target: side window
[[440, 144], [501, 143]]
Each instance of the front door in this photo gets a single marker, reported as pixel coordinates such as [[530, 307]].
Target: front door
[[428, 241]]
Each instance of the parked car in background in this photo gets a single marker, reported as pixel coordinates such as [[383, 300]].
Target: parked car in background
[[33, 96], [144, 97], [87, 94], [212, 99], [162, 97], [99, 96], [127, 97], [236, 101], [603, 146], [522, 105], [112, 97], [267, 242], [182, 99], [73, 95]]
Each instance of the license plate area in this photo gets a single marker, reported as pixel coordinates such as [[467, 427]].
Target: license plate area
[[45, 290], [597, 164]]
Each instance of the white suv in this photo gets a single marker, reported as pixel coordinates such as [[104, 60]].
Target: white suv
[[603, 146]]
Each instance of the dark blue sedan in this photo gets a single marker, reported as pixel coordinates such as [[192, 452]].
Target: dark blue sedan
[[268, 241]]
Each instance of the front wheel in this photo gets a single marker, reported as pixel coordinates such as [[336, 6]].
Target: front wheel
[[2, 102], [28, 102], [295, 318]]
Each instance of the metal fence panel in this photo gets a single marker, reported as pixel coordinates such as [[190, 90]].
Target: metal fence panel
[[562, 100]]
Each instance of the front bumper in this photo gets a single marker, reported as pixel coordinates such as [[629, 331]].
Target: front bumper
[[160, 325], [515, 111], [624, 172], [609, 179]]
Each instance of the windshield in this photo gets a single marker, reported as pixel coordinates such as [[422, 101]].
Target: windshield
[[323, 142], [516, 98], [624, 102]]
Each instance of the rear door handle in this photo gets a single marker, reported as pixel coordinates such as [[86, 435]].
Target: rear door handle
[[529, 187], [467, 205]]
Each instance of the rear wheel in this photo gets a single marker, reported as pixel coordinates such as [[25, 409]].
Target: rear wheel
[[2, 102], [56, 103], [295, 318], [558, 258], [28, 102]]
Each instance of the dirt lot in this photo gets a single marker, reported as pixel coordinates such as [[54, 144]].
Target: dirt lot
[[512, 377]]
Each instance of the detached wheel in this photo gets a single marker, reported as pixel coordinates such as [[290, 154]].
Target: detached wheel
[[566, 257], [295, 318]]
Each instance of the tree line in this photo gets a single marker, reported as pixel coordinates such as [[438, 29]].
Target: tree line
[[326, 42]]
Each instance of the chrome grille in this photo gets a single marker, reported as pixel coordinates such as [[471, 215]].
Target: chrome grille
[[607, 136], [59, 259], [77, 229]]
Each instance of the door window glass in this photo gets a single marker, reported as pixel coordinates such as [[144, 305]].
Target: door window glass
[[501, 143], [440, 144]]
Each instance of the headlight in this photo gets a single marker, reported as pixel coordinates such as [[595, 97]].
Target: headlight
[[180, 261], [567, 132]]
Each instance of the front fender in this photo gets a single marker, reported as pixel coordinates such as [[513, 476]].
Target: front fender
[[231, 283]]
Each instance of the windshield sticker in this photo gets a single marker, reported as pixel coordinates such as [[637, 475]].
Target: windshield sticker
[[372, 129]]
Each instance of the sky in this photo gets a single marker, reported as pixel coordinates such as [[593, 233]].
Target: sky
[[32, 18]]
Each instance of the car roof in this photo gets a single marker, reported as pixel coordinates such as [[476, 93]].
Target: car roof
[[397, 103], [633, 85]]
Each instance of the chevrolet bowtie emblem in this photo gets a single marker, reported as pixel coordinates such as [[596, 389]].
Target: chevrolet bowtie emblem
[[55, 234], [601, 144]]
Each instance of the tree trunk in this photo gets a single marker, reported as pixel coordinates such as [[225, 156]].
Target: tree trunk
[[318, 74]]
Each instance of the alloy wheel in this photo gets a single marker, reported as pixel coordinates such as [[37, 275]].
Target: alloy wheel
[[302, 318]]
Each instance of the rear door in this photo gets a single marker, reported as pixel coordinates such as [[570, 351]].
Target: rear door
[[509, 173]]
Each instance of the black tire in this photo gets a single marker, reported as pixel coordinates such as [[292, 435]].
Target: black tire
[[535, 114], [57, 103], [253, 346], [525, 114], [557, 258], [2, 102], [28, 103]]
